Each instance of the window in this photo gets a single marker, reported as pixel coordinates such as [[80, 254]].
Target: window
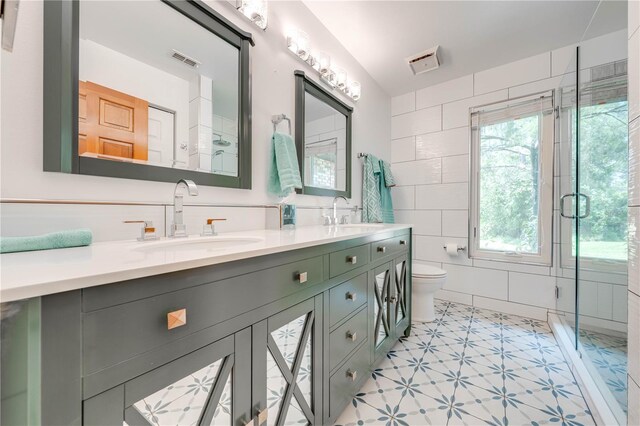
[[512, 180]]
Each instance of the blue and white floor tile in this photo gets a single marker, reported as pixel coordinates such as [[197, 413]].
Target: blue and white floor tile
[[471, 367]]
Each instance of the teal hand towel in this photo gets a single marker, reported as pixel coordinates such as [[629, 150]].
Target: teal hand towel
[[55, 240], [385, 182], [371, 211], [284, 172]]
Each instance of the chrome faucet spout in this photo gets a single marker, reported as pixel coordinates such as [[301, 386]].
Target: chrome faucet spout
[[334, 219], [178, 228]]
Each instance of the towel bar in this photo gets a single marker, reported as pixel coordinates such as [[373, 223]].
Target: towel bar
[[277, 119]]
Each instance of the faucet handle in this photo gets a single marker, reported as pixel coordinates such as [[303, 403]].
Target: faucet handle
[[148, 231], [209, 229]]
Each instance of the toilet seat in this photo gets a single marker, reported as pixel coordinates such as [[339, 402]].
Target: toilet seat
[[426, 271]]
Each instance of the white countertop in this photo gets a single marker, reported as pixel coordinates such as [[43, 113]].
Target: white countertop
[[38, 273]]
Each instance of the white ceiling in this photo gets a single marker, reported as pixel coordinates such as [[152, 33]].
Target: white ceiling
[[473, 35]]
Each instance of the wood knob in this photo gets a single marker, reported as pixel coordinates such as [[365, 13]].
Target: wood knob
[[176, 319]]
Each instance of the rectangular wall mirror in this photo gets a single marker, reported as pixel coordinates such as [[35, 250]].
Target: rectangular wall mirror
[[162, 92], [323, 139]]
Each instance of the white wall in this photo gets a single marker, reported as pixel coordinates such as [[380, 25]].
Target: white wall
[[633, 335], [273, 93], [430, 156]]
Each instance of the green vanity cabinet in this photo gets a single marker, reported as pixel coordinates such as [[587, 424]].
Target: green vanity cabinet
[[288, 337]]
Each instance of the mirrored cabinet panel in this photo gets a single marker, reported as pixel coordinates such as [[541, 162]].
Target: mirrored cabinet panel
[[323, 139], [162, 92]]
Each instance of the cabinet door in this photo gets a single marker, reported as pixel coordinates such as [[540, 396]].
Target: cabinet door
[[210, 386], [382, 330], [287, 361], [401, 299]]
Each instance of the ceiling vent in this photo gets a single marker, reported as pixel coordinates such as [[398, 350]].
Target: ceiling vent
[[424, 61], [185, 59]]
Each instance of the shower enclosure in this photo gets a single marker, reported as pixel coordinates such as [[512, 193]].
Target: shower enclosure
[[591, 203]]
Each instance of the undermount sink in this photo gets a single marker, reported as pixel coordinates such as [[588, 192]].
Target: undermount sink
[[362, 225], [197, 243]]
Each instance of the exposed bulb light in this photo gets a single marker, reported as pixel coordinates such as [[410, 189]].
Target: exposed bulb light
[[255, 10], [335, 77]]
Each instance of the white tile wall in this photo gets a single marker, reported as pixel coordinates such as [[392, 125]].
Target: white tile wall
[[444, 196], [455, 223], [431, 248], [634, 162], [476, 281], [634, 250], [510, 308], [562, 58], [456, 114], [634, 337], [425, 222], [421, 172], [536, 290], [403, 197], [448, 91], [443, 144], [634, 402], [454, 296], [403, 149], [633, 69], [403, 104], [455, 169], [512, 74], [417, 122], [619, 306]]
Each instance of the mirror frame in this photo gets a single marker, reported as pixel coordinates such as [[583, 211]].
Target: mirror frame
[[60, 103], [305, 85]]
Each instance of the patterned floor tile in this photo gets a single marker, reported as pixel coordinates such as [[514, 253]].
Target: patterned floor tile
[[469, 367]]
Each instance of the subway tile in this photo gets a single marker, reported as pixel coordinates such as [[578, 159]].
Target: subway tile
[[536, 86], [403, 197], [512, 74], [403, 149], [634, 336], [605, 300], [634, 162], [588, 298], [442, 144], [476, 281], [563, 60], [515, 267], [403, 103], [619, 303], [455, 169], [417, 122], [105, 221], [427, 222], [456, 114], [449, 91], [421, 172], [567, 295], [633, 72], [453, 196], [634, 250], [455, 223], [510, 308], [529, 289], [431, 249], [454, 296]]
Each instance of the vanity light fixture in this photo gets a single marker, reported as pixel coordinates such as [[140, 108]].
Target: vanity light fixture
[[255, 10], [334, 76]]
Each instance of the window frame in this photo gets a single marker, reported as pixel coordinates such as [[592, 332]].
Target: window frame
[[546, 187]]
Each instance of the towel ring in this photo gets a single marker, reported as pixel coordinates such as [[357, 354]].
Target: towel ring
[[277, 119]]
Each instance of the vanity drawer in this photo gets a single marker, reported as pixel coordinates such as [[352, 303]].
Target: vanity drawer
[[346, 338], [117, 333], [345, 260], [390, 246], [347, 298], [345, 382]]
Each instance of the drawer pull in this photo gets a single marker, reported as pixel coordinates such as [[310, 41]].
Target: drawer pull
[[351, 296], [352, 336], [176, 319], [352, 259], [382, 249], [258, 420], [302, 277], [352, 375], [403, 243], [393, 299]]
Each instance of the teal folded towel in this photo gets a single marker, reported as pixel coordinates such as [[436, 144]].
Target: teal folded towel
[[284, 172], [55, 240], [386, 182], [371, 208]]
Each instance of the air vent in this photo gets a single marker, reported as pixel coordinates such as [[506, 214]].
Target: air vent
[[185, 59], [424, 61]]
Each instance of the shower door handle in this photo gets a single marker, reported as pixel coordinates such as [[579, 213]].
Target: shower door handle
[[587, 209], [572, 195]]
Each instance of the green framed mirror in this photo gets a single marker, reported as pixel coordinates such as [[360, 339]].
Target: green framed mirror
[[157, 90], [323, 139]]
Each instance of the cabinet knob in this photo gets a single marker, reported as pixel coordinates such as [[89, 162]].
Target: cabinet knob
[[176, 319], [393, 299], [382, 249], [352, 374], [258, 420], [351, 296], [302, 277], [352, 335], [403, 243], [352, 259]]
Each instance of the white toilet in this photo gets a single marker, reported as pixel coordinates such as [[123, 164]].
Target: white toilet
[[426, 281]]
